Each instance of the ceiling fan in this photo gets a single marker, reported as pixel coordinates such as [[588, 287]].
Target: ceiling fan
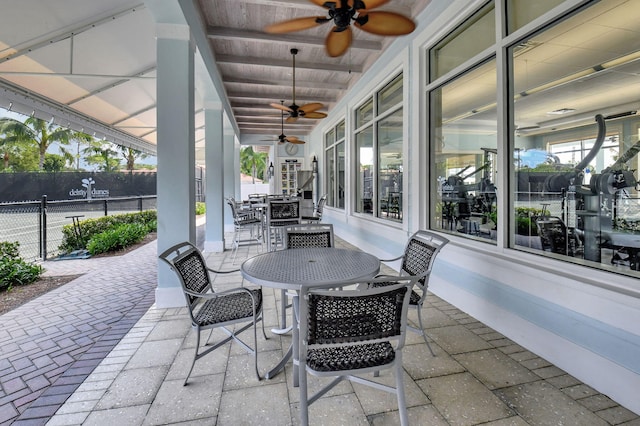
[[342, 12], [295, 111], [282, 138]]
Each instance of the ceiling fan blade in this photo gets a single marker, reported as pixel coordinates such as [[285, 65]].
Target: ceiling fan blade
[[292, 138], [291, 119], [310, 107], [297, 24], [372, 4], [386, 23], [281, 107], [337, 43], [295, 141], [315, 114]]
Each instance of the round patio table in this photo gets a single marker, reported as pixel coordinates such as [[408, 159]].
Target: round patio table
[[295, 269]]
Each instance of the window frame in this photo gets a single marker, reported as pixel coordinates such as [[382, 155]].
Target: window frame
[[372, 124]]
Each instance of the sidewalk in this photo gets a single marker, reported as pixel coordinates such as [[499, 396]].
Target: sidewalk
[[50, 345], [92, 354]]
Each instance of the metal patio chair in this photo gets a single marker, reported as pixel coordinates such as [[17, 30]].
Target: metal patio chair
[[417, 260], [317, 214], [349, 332], [244, 221], [280, 213], [301, 236], [209, 309]]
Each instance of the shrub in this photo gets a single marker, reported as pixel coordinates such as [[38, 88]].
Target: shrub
[[13, 269], [200, 208], [117, 238], [91, 227]]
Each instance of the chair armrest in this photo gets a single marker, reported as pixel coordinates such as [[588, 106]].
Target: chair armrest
[[394, 259], [219, 293], [222, 272]]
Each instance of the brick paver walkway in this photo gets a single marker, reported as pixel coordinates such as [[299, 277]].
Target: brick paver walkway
[[51, 344]]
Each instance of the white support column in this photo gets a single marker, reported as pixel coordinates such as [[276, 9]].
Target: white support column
[[214, 158], [231, 157], [176, 151]]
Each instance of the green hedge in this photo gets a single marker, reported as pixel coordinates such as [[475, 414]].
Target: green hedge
[[89, 228], [117, 238], [13, 269]]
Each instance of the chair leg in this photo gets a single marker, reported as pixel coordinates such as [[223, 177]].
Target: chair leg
[[195, 356], [304, 397], [255, 347], [262, 323], [283, 308], [402, 405], [421, 331]]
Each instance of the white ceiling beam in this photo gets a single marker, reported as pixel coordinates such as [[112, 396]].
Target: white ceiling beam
[[287, 82], [262, 62], [293, 39], [305, 4], [240, 96]]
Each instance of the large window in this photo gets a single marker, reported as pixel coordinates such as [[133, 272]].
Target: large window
[[564, 110], [378, 153], [521, 12], [464, 147], [334, 165], [574, 101], [469, 39]]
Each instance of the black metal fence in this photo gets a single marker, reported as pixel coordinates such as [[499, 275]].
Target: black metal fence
[[37, 225]]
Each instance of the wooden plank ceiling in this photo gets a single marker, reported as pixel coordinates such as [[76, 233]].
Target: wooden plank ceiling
[[256, 67]]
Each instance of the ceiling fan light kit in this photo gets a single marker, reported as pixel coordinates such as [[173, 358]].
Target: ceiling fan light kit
[[342, 13]]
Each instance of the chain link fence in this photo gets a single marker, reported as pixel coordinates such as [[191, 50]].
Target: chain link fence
[[37, 225]]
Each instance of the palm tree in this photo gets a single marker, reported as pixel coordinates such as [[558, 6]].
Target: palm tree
[[40, 133], [103, 154], [130, 155], [253, 163]]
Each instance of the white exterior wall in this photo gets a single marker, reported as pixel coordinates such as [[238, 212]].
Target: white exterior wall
[[583, 320]]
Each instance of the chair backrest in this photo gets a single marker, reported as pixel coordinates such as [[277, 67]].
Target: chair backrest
[[356, 316], [321, 202], [420, 253], [187, 262], [308, 235], [283, 212], [240, 218]]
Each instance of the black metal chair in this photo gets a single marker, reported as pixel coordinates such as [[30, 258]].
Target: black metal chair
[[209, 309], [317, 214], [280, 213], [308, 235], [244, 221], [417, 260], [349, 332], [302, 236]]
